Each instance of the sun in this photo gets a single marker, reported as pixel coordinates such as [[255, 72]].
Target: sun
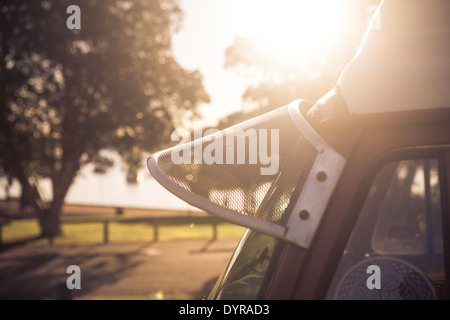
[[288, 27]]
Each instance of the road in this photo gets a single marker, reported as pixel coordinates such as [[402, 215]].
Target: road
[[182, 269]]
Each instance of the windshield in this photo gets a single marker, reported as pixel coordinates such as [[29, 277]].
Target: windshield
[[244, 276]]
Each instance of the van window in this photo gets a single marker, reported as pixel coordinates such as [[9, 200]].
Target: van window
[[243, 279], [396, 250]]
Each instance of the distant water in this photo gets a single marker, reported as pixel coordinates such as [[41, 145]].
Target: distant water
[[111, 189]]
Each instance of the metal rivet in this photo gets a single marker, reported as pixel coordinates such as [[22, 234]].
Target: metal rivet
[[321, 176], [304, 215]]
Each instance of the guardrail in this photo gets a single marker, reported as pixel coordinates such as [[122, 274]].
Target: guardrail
[[155, 222], [3, 222]]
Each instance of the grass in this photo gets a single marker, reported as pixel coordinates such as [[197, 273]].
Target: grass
[[90, 230], [16, 231]]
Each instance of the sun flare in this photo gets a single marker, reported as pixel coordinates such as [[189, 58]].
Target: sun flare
[[288, 27]]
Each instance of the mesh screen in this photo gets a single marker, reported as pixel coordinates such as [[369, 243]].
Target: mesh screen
[[253, 168]]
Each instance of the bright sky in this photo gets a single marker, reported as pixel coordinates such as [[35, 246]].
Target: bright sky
[[201, 44], [210, 26]]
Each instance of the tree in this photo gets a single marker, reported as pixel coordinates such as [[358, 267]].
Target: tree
[[277, 80], [67, 93]]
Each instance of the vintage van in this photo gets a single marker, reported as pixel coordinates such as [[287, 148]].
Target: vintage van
[[358, 207]]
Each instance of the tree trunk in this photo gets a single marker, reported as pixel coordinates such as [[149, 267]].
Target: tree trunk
[[50, 220], [50, 224]]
